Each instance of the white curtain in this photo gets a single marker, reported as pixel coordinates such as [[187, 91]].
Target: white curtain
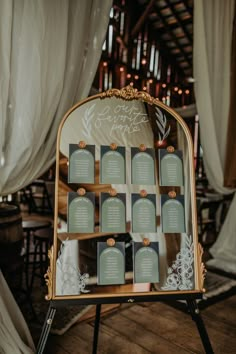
[[49, 52], [15, 337], [213, 24]]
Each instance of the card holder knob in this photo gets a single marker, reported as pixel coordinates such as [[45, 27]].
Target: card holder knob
[[113, 192], [146, 241], [142, 147], [81, 191], [113, 146], [172, 194], [82, 144], [111, 242], [143, 193], [170, 149]]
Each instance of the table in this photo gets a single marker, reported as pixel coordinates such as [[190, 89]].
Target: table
[[29, 227]]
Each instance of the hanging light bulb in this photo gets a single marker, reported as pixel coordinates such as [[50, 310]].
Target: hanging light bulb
[[144, 61]]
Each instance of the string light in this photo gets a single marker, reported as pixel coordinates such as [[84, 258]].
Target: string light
[[187, 92], [104, 63], [128, 76], [163, 85], [180, 92], [176, 88], [151, 81], [136, 77], [121, 69], [144, 61]]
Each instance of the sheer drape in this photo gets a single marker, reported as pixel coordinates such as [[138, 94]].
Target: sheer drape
[[213, 22], [49, 52], [230, 158], [14, 334]]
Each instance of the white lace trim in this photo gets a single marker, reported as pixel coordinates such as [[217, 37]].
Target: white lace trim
[[72, 281], [180, 274]]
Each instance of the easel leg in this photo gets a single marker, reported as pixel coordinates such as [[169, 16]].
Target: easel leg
[[195, 313], [96, 328], [46, 328]]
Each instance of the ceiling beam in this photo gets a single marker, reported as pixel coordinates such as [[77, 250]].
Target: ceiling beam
[[142, 18]]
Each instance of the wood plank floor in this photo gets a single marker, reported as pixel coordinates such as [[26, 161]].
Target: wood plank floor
[[151, 328]]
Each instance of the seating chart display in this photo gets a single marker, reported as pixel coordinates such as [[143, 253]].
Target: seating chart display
[[81, 163], [113, 164], [111, 262], [125, 212]]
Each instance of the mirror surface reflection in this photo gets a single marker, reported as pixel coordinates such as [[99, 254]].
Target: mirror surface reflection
[[135, 234]]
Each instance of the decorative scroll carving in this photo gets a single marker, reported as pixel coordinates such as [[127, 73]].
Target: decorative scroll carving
[[48, 275], [202, 268], [130, 93]]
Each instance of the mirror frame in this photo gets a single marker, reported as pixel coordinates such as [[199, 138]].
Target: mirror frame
[[129, 93]]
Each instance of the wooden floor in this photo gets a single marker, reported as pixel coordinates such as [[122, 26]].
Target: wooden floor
[[151, 328]]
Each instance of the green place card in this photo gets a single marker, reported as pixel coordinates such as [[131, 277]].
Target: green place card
[[81, 164], [172, 214], [143, 166], [112, 164], [146, 262], [144, 213], [81, 212], [113, 213], [171, 168], [111, 263]]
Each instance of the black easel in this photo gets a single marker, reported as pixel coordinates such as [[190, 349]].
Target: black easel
[[191, 305]]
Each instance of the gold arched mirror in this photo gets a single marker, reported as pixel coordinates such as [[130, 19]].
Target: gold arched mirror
[[125, 201]]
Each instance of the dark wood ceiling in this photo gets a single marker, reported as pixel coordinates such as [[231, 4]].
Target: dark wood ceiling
[[171, 24], [149, 43]]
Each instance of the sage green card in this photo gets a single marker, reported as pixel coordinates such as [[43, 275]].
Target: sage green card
[[146, 262], [111, 263], [143, 166], [172, 214], [112, 165], [171, 168], [144, 213], [81, 213], [81, 164], [113, 213]]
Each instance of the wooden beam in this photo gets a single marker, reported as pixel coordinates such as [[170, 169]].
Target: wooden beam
[[142, 18]]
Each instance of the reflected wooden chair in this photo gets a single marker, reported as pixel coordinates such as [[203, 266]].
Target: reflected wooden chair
[[40, 200], [207, 221]]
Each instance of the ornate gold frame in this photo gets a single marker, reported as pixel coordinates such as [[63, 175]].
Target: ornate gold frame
[[129, 93]]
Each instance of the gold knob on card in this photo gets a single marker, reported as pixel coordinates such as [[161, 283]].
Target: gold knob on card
[[142, 147], [111, 242], [81, 191], [172, 194], [82, 144], [146, 241], [143, 193], [113, 192], [113, 146], [170, 149]]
